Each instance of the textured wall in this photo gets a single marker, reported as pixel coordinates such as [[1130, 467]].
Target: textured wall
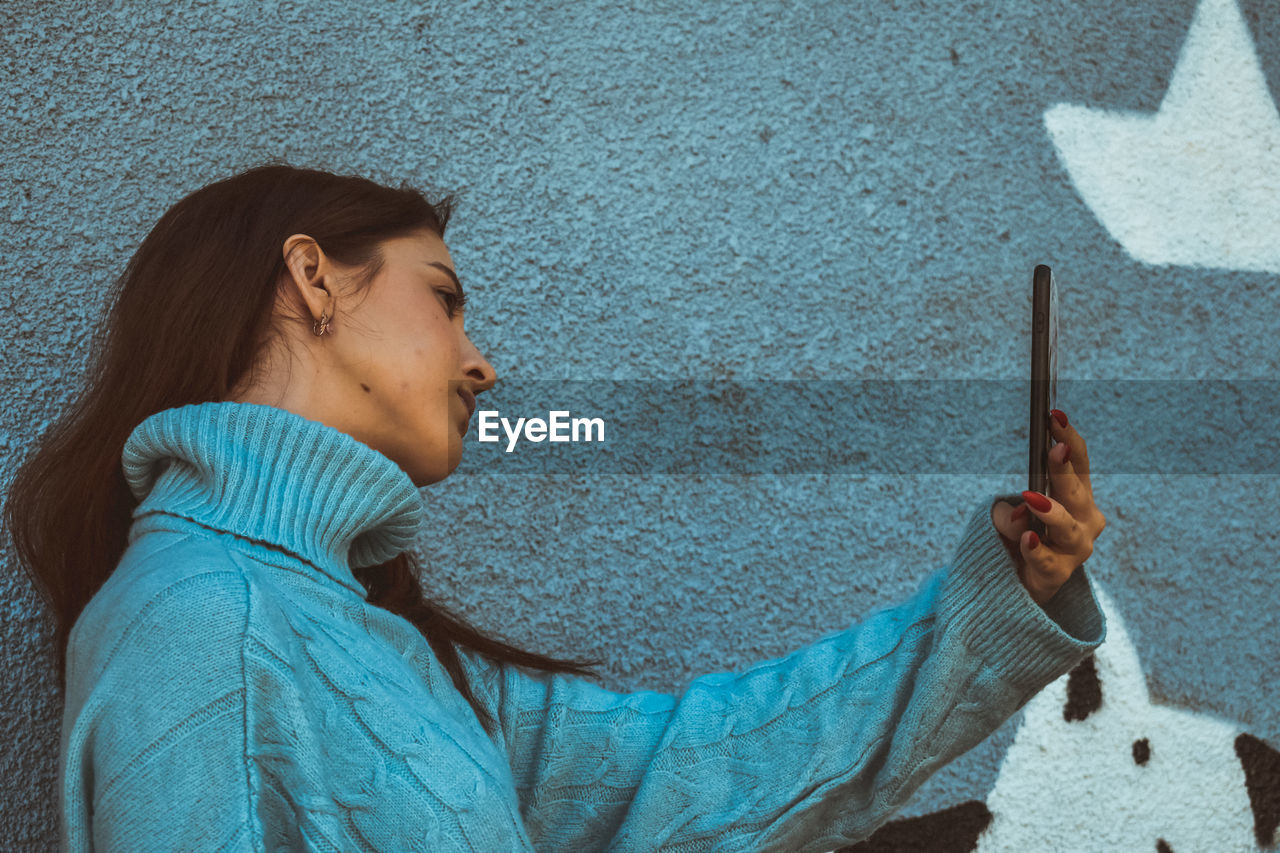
[[820, 193]]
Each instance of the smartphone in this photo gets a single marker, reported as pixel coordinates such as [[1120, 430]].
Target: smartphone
[[1044, 380]]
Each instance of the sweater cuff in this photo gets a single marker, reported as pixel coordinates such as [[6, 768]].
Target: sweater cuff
[[990, 612]]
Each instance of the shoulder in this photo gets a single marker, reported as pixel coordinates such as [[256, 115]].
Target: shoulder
[[160, 565], [168, 588]]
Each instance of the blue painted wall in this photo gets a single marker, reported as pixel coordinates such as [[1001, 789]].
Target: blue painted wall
[[819, 193]]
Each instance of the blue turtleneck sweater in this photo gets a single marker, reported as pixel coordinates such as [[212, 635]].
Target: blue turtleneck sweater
[[229, 688]]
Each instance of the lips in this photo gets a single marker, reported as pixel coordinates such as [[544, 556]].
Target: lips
[[469, 399]]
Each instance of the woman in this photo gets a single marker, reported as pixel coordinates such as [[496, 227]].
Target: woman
[[221, 527]]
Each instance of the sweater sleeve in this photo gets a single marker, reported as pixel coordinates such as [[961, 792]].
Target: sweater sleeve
[[805, 753], [154, 746]]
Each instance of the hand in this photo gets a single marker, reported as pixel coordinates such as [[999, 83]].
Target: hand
[[1072, 521]]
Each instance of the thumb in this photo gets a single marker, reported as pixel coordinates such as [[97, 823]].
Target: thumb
[[1010, 521]]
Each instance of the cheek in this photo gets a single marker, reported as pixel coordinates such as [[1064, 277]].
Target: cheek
[[426, 372], [441, 353], [428, 357]]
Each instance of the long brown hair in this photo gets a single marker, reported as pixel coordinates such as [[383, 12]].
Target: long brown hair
[[186, 320]]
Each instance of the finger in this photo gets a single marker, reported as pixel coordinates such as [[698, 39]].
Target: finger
[[1047, 568], [1079, 450], [1010, 521], [1062, 530], [1065, 483]]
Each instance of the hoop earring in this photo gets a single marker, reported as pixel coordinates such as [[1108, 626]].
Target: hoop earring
[[319, 327]]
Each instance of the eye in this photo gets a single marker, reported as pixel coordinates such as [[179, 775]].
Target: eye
[[453, 301]]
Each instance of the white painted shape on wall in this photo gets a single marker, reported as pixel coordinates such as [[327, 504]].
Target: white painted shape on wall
[[1198, 182], [1074, 787]]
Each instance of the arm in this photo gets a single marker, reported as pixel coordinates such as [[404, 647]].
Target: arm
[[808, 752], [154, 739]]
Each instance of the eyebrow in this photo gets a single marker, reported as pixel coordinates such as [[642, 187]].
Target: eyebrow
[[453, 275]]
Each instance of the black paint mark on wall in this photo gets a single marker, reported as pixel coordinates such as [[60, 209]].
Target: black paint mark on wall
[[1262, 780], [953, 830], [1141, 752], [1084, 691]]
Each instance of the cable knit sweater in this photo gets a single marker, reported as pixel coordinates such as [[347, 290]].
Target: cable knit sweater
[[229, 688]]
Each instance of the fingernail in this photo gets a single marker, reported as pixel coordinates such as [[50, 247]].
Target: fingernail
[[1066, 454], [1018, 512], [1038, 501], [1033, 541], [1059, 416]]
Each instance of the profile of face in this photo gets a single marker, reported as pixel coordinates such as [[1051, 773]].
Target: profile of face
[[395, 370]]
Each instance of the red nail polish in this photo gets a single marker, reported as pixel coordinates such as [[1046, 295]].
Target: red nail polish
[[1033, 541], [1059, 416], [1019, 511], [1038, 501]]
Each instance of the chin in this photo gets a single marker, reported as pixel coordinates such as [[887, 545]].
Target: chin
[[422, 480], [435, 472]]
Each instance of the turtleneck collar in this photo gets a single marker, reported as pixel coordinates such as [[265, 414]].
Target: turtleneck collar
[[270, 475]]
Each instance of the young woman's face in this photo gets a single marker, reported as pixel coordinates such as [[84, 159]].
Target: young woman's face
[[408, 369], [395, 370]]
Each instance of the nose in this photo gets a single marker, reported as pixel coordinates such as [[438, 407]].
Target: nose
[[478, 368]]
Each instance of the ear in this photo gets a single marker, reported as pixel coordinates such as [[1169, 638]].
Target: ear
[[308, 277]]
